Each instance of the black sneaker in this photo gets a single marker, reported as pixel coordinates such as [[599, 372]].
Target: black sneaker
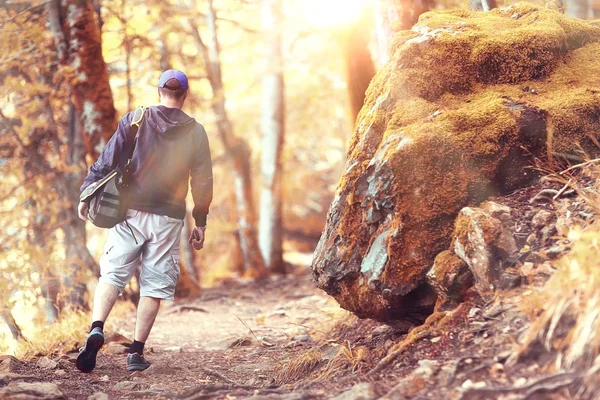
[[86, 361], [137, 362]]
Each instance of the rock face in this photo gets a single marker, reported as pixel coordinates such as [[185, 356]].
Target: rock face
[[466, 103]]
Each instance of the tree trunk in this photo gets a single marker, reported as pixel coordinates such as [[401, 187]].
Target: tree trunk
[[359, 65], [273, 129], [79, 262], [578, 8], [50, 289], [78, 43], [7, 317], [237, 149], [385, 17], [392, 16]]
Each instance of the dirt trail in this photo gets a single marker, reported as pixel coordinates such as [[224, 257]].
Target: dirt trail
[[232, 337]]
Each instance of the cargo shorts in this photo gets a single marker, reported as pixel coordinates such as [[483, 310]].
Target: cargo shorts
[[157, 249]]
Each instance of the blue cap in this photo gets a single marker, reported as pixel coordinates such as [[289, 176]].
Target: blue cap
[[170, 74]]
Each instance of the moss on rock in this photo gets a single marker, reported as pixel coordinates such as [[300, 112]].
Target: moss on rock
[[466, 103]]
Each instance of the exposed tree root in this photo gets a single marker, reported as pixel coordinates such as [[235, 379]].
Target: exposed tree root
[[433, 326], [547, 383], [211, 391]]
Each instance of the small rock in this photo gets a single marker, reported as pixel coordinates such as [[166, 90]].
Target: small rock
[[9, 364], [60, 372], [129, 385], [7, 377], [521, 381], [104, 378], [527, 269], [98, 396], [484, 244], [426, 368], [116, 337], [474, 311], [436, 339], [303, 338], [450, 276], [547, 233], [532, 240], [46, 363], [159, 369], [228, 343], [542, 219], [382, 330], [546, 268], [116, 348], [361, 391], [497, 369], [555, 252], [509, 279], [498, 211], [175, 349], [563, 225], [36, 390]]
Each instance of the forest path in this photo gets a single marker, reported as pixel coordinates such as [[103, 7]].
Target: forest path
[[229, 339]]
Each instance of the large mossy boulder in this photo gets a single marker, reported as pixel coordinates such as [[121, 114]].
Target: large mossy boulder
[[463, 108]]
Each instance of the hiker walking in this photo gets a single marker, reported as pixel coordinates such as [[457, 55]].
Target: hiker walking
[[169, 148]]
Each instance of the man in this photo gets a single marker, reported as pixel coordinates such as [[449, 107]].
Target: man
[[171, 147]]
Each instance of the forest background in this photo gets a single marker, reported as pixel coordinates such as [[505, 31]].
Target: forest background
[[277, 84]]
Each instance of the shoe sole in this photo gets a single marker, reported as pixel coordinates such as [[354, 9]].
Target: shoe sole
[[86, 361], [137, 367]]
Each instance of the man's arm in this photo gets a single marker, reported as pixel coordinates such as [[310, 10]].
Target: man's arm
[[202, 181], [110, 155]]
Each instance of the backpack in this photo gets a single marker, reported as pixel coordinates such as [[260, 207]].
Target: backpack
[[108, 198]]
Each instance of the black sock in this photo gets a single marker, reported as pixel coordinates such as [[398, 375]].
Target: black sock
[[137, 347], [97, 324]]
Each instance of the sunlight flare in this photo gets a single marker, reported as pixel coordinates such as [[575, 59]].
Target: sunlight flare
[[324, 13]]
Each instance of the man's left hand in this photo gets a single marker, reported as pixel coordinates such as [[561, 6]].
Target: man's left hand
[[82, 210], [197, 237]]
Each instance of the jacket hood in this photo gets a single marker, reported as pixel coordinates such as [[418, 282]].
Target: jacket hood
[[163, 119]]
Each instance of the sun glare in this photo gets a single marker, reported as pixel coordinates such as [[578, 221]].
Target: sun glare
[[326, 13]]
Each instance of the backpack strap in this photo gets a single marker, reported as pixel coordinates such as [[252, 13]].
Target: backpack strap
[[138, 116]]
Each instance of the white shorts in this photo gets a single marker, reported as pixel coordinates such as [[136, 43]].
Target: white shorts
[[157, 249]]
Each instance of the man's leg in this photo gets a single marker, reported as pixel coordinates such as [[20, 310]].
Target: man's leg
[[105, 297], [146, 314], [117, 265], [160, 271]]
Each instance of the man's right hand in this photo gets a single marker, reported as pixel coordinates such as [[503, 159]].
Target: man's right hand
[[82, 210]]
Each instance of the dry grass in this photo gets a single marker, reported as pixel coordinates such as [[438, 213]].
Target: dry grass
[[567, 309], [323, 363], [58, 338], [335, 354], [65, 335]]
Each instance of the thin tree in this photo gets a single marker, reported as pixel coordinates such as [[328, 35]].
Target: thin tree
[[237, 150], [273, 129]]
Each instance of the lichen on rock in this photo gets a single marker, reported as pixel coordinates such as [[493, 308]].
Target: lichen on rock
[[465, 105]]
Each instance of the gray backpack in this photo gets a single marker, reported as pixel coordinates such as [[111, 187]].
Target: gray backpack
[[108, 198]]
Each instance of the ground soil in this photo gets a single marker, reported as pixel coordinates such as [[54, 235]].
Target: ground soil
[[281, 338]]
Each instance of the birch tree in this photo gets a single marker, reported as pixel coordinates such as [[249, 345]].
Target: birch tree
[[237, 150], [273, 130], [578, 8]]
